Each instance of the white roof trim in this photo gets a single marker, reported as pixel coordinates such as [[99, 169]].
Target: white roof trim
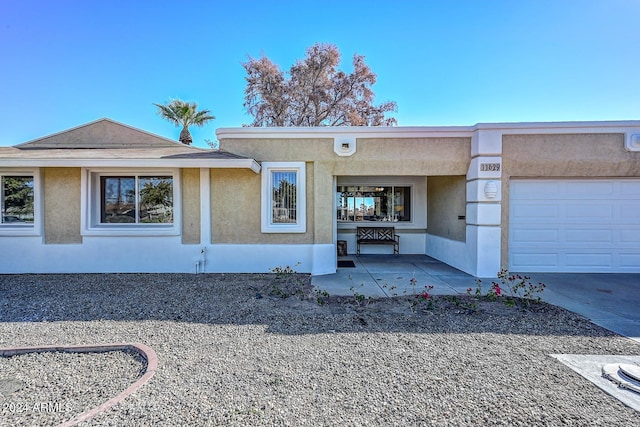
[[426, 131], [135, 163], [332, 132]]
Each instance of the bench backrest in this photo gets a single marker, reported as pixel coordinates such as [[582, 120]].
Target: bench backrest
[[376, 233]]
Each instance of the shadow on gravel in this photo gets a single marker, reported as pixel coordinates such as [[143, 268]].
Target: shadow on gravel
[[286, 304]]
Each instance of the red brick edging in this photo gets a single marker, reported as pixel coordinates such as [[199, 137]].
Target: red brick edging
[[143, 350]]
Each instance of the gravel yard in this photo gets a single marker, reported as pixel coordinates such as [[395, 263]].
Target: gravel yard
[[233, 351]]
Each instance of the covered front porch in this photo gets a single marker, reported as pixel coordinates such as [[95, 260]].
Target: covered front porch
[[391, 275], [434, 215]]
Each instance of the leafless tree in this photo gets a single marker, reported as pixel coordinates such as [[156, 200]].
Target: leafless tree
[[316, 93]]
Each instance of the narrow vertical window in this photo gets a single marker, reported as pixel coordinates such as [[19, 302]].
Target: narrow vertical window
[[156, 199], [283, 205], [284, 197], [118, 199], [17, 200]]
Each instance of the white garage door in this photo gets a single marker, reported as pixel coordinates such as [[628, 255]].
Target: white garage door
[[574, 225]]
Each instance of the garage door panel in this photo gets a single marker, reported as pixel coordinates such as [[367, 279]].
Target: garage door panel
[[529, 211], [577, 189], [536, 236], [581, 236], [630, 236], [535, 260], [574, 225], [588, 211], [629, 212], [581, 260], [629, 188], [629, 261], [535, 189]]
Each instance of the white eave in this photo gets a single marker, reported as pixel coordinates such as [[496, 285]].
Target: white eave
[[619, 126], [132, 163], [342, 131], [623, 126]]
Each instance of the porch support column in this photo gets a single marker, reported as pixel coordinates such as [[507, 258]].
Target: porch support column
[[205, 207], [483, 203], [324, 217]]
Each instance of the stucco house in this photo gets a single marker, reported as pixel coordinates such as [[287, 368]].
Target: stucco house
[[534, 197]]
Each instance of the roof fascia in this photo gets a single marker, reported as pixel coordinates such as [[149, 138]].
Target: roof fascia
[[136, 163], [342, 131], [426, 131], [619, 126]]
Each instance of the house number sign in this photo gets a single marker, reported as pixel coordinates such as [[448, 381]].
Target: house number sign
[[490, 167]]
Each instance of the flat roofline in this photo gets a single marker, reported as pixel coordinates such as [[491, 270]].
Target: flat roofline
[[425, 131]]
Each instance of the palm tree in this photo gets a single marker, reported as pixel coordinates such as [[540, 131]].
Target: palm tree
[[184, 113]]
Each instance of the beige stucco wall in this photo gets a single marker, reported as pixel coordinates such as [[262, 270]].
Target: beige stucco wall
[[61, 191], [561, 156], [236, 209], [446, 200], [373, 156], [191, 206]]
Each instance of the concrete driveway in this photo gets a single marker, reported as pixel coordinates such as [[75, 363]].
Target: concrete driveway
[[609, 300]]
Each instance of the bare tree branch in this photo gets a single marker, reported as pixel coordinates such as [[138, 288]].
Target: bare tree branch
[[316, 93]]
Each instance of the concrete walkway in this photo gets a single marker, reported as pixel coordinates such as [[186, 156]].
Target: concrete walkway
[[389, 275], [609, 300]]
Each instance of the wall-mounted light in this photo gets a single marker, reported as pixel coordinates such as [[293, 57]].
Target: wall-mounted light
[[490, 190]]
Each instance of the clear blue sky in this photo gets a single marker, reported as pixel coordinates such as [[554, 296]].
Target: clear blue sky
[[68, 62]]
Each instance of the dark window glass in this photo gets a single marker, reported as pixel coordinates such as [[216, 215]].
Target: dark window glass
[[17, 200]]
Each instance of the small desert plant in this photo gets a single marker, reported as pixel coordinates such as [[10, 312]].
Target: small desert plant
[[517, 285], [277, 291], [425, 296], [520, 287], [359, 299], [391, 289], [419, 297], [494, 292], [321, 296], [284, 271]]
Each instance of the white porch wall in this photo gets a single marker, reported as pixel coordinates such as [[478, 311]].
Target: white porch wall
[[452, 252], [157, 254], [315, 259], [412, 243]]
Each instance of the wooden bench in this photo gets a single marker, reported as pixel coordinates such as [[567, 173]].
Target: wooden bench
[[378, 236]]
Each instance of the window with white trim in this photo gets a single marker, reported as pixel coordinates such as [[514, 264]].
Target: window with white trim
[[17, 198], [128, 200], [136, 199], [283, 197], [387, 203]]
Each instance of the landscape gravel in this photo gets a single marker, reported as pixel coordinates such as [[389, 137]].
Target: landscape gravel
[[53, 387], [259, 349]]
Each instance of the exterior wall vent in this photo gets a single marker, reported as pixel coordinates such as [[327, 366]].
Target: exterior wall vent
[[633, 142], [344, 145]]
